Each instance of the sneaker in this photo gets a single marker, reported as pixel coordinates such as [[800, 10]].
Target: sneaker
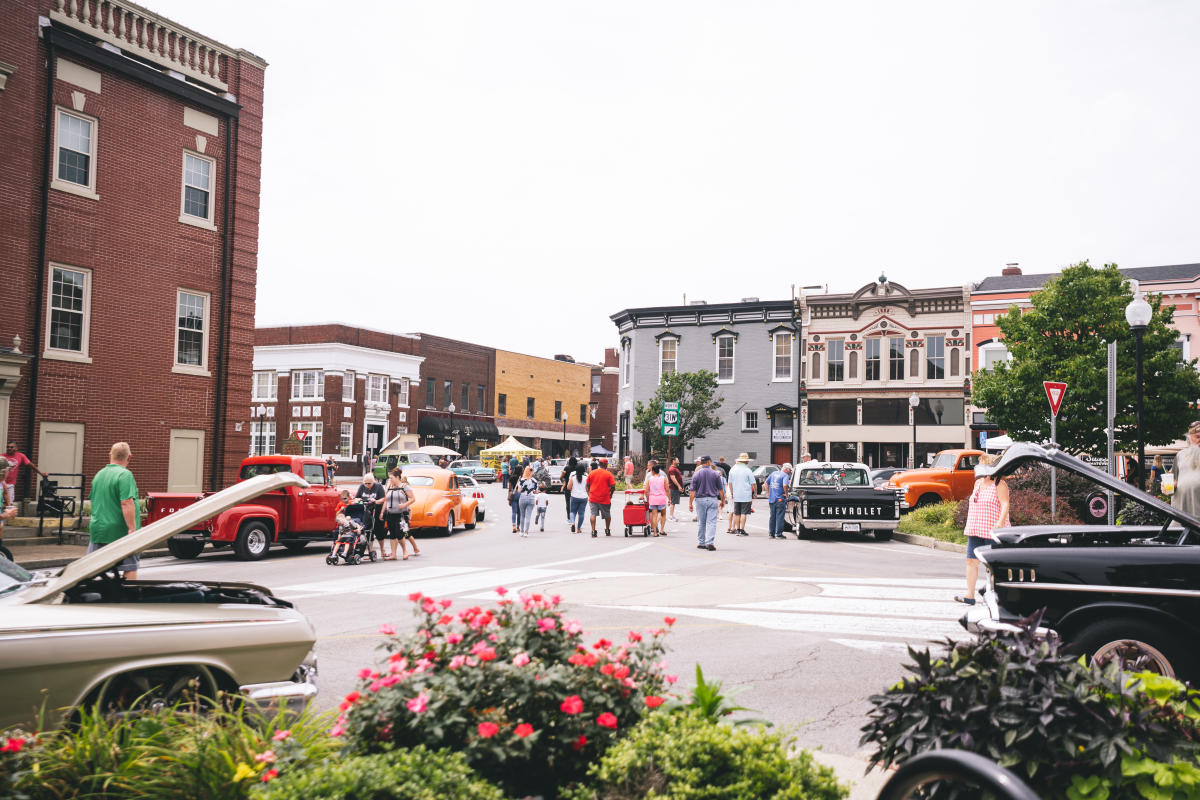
[[572, 528], [742, 532], [711, 547], [593, 534], [700, 547]]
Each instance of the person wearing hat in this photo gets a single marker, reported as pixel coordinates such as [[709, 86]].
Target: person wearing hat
[[778, 483], [741, 487], [705, 498]]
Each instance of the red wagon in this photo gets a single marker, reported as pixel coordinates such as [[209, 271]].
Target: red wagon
[[634, 514]]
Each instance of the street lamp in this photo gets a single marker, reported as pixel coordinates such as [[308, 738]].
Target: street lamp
[[1137, 314], [913, 402], [453, 433]]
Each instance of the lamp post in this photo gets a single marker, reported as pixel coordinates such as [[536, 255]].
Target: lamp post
[[564, 422], [1137, 314], [913, 402], [453, 433]]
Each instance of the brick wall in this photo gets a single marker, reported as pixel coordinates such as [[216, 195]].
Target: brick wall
[[546, 380]]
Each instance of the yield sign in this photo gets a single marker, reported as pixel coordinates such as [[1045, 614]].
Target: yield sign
[[1054, 393], [301, 435]]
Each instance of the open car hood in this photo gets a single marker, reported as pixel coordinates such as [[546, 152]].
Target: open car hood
[[158, 532], [1024, 453]]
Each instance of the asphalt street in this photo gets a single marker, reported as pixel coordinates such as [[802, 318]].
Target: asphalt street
[[806, 629]]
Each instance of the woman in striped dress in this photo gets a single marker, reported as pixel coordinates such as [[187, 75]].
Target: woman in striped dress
[[987, 511]]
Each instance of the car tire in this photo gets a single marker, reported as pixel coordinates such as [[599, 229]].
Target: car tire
[[448, 530], [927, 500], [253, 541], [184, 548], [155, 688], [883, 536], [6, 553], [1141, 646], [479, 516], [295, 547]]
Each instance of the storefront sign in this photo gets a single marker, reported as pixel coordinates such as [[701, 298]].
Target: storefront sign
[[781, 435]]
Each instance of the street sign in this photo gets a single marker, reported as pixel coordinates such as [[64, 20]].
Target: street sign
[[1054, 393], [670, 419], [301, 435]]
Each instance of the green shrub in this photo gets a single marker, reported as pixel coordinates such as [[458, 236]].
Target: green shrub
[[1021, 702], [683, 755], [935, 521], [516, 688], [941, 514], [1133, 513], [413, 774]]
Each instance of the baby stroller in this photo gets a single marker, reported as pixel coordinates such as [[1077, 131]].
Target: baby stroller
[[353, 540]]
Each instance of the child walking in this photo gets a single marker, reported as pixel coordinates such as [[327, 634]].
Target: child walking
[[541, 502]]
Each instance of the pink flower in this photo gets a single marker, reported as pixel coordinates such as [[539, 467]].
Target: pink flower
[[478, 648], [572, 705], [337, 730], [415, 596], [653, 701], [546, 624], [419, 703], [386, 630], [555, 599], [487, 654], [429, 606], [520, 659], [281, 735], [457, 662], [364, 673], [270, 775], [523, 730], [488, 729], [671, 679], [580, 743], [669, 620], [375, 686], [445, 603], [265, 758], [453, 638], [634, 636], [607, 720], [500, 590], [573, 627], [607, 669]]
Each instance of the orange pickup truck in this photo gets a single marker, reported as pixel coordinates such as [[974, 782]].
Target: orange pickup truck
[[951, 476]]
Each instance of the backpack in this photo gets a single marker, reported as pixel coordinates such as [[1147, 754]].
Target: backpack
[[542, 475], [394, 500]]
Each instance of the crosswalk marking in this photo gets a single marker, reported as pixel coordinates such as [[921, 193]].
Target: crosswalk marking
[[362, 580], [856, 605]]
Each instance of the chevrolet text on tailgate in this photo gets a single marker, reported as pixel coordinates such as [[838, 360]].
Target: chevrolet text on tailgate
[[827, 496], [292, 516]]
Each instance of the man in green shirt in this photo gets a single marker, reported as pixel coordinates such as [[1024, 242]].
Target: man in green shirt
[[114, 499]]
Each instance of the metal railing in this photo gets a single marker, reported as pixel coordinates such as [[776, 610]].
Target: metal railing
[[51, 503]]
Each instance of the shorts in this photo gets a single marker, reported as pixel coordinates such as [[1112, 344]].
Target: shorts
[[976, 541], [674, 496], [741, 508], [600, 510], [396, 528], [656, 508], [128, 565]]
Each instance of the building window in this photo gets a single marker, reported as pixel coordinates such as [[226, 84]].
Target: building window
[[70, 310], [447, 391], [583, 413], [873, 347], [668, 348], [626, 362], [935, 357], [311, 444], [348, 385], [377, 388], [993, 354], [197, 187], [466, 398], [266, 386], [262, 438], [346, 443], [836, 360], [529, 407], [402, 396], [430, 383], [783, 356], [308, 385], [724, 359], [558, 410], [895, 358], [749, 420], [596, 381], [914, 364], [832, 412], [816, 365], [502, 405], [75, 154], [954, 359], [191, 331], [482, 408]]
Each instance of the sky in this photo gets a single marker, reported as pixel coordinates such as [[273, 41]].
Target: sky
[[512, 173]]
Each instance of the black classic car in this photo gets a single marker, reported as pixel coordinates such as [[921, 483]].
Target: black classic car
[[1125, 592], [828, 496]]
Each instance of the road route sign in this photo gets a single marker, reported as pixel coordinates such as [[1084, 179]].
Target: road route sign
[[301, 435], [670, 419], [1054, 393]]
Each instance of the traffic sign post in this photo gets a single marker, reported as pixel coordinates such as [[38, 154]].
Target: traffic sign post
[[301, 435], [1054, 393], [670, 419]]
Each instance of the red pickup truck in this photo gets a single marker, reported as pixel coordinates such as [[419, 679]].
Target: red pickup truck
[[292, 516]]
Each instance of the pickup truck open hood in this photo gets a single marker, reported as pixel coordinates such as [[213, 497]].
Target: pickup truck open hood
[[1024, 453], [158, 532]]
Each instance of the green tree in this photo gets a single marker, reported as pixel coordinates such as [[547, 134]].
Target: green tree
[[696, 394], [1062, 338]]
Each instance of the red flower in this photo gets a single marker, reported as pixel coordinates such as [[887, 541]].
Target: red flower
[[669, 620], [634, 636], [654, 701], [523, 730], [415, 596], [500, 590], [580, 743], [607, 720], [607, 669], [445, 603], [269, 775], [487, 654], [572, 705], [621, 672], [488, 729], [602, 644], [13, 745]]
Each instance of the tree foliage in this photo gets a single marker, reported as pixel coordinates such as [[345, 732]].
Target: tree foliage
[[1063, 338], [698, 404]]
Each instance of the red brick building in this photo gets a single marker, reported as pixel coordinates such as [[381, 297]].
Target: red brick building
[[604, 400], [457, 375], [129, 193]]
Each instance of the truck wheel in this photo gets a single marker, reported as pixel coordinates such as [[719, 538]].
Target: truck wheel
[[928, 500], [253, 541], [295, 547], [1136, 645], [883, 536], [184, 548], [449, 529]]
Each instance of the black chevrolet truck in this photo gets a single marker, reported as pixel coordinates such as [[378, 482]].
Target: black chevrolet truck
[[829, 496]]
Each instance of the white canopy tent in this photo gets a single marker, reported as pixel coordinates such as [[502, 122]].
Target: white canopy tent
[[998, 443]]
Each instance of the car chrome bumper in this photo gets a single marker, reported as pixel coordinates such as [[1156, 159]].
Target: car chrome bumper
[[299, 690], [982, 618], [864, 525]]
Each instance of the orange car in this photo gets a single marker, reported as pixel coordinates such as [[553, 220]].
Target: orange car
[[440, 502]]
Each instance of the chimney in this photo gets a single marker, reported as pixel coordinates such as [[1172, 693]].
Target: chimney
[[1012, 268]]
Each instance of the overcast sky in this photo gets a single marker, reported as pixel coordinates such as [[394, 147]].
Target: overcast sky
[[512, 173]]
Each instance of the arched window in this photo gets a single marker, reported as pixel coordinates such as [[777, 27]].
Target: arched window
[[853, 365], [914, 363], [816, 366], [954, 362]]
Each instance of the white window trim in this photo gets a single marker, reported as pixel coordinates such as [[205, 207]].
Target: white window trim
[[732, 359], [929, 357], [320, 386], [992, 347], [88, 191], [660, 354], [261, 435], [791, 357], [191, 219], [274, 384], [402, 397], [745, 427], [193, 369], [829, 362], [316, 433], [82, 356], [374, 403], [627, 363], [346, 438]]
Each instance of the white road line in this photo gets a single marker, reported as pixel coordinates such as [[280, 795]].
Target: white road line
[[468, 582], [872, 645], [568, 578], [364, 579], [838, 605], [886, 594], [948, 583], [610, 554]]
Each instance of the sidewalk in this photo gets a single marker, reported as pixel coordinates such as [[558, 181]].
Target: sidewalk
[[31, 551]]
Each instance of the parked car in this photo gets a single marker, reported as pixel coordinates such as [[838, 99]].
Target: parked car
[[761, 473], [555, 467], [404, 459], [950, 477], [884, 474], [474, 469], [1125, 592], [834, 496], [440, 502], [475, 489], [86, 635]]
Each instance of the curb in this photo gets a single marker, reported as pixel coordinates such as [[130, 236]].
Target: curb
[[926, 541], [50, 563]]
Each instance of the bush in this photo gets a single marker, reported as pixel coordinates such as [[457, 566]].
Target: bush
[[683, 755], [1133, 513], [1071, 489], [939, 514], [1027, 507], [216, 754], [515, 688], [1021, 702], [414, 774]]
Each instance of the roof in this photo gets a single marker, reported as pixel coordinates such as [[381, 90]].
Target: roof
[[1016, 283]]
